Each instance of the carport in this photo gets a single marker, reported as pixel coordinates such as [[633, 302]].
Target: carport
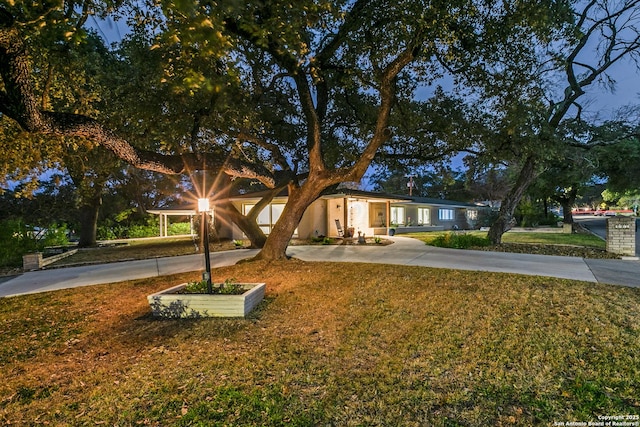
[[165, 213]]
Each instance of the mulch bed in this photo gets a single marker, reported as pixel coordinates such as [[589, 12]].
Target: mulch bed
[[561, 250]]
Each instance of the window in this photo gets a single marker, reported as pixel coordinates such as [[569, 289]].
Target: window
[[276, 211], [424, 216], [267, 216], [472, 214], [446, 214], [397, 215]]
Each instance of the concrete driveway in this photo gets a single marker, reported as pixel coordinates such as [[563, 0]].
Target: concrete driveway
[[404, 251]]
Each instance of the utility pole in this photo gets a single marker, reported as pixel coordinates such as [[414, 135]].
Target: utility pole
[[410, 184]]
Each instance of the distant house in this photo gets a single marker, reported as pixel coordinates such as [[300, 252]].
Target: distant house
[[364, 212]]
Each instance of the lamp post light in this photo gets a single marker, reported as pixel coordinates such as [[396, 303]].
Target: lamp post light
[[203, 206]]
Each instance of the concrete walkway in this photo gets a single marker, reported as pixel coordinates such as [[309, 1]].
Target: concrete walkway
[[71, 277], [404, 251]]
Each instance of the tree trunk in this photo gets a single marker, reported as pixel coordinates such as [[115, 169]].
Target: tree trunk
[[275, 247], [505, 217], [89, 223], [566, 203], [249, 226]]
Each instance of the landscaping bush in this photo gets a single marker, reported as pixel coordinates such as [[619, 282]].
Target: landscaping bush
[[54, 235], [529, 214], [109, 229], [179, 228], [147, 228], [15, 243], [19, 238], [459, 240]]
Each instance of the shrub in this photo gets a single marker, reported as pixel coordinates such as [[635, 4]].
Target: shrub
[[15, 242], [136, 231], [178, 228], [19, 238], [54, 235], [459, 241], [228, 287]]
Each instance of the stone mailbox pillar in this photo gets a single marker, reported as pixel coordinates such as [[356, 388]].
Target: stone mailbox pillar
[[621, 235]]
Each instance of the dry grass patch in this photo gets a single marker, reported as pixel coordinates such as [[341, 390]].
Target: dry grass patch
[[332, 344]]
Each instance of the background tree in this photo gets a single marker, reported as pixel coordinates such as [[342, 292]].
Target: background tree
[[486, 183], [616, 147], [534, 93]]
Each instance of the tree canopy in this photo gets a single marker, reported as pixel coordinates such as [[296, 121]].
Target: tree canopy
[[302, 95]]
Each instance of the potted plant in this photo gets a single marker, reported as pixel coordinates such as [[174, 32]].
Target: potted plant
[[392, 230], [191, 300]]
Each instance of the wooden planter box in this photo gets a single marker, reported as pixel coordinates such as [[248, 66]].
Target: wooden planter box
[[170, 304]]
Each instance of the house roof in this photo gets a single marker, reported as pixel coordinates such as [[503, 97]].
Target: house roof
[[371, 195], [346, 192], [330, 194], [182, 209], [443, 202]]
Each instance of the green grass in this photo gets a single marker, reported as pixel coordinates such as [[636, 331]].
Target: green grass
[[588, 240], [352, 345]]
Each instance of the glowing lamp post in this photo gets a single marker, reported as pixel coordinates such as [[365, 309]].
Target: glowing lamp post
[[203, 206]]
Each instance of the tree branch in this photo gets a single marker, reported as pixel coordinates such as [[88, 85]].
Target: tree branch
[[19, 103]]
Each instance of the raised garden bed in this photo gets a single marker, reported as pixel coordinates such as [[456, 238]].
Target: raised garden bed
[[171, 303]]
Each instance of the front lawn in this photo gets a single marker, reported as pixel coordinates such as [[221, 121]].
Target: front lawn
[[333, 344], [142, 249]]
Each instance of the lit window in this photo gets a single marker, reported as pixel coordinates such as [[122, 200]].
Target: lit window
[[472, 214], [267, 217], [397, 215], [424, 216], [446, 214]]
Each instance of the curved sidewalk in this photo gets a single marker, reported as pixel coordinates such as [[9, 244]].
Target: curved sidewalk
[[404, 251], [95, 274]]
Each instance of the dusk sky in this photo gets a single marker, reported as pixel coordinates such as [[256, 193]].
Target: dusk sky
[[598, 101]]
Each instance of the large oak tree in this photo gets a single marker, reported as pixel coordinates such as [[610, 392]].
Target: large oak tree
[[315, 82], [537, 96]]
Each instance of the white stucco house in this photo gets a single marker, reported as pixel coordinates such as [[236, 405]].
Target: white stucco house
[[356, 211]]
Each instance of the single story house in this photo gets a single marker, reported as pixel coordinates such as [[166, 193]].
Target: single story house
[[353, 211]]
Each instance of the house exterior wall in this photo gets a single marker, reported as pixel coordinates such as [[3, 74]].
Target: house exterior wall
[[313, 222], [458, 219], [367, 216], [378, 214], [358, 217], [359, 214], [335, 209]]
